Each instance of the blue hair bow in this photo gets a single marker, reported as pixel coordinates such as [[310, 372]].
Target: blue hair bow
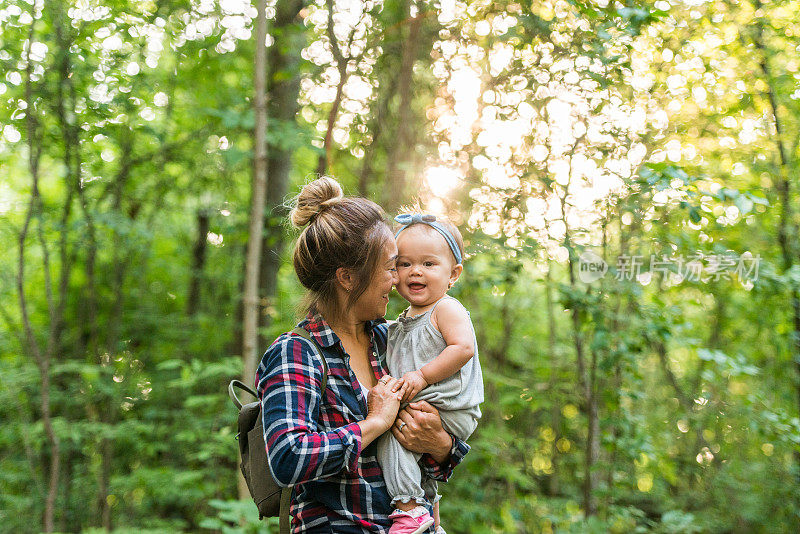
[[407, 219]]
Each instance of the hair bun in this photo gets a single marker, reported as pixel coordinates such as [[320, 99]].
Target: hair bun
[[314, 197]]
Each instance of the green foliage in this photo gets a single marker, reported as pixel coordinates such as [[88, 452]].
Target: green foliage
[[141, 127], [237, 517]]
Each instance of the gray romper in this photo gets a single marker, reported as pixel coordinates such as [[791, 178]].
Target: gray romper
[[413, 342]]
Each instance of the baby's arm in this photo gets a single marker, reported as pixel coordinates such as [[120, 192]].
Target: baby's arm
[[452, 320]]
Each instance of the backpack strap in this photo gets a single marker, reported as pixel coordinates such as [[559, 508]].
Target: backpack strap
[[286, 493], [286, 500]]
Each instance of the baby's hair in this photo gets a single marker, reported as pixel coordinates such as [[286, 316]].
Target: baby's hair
[[415, 209]]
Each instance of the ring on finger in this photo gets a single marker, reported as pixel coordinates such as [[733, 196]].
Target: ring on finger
[[401, 425], [384, 379]]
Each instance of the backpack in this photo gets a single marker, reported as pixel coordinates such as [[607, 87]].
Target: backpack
[[271, 499]]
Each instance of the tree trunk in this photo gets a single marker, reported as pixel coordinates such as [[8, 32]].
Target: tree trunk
[[42, 358], [106, 457], [401, 155], [787, 228], [283, 107], [341, 66], [592, 438], [90, 336], [555, 408], [586, 377], [198, 262], [252, 265], [616, 386], [385, 92], [108, 413]]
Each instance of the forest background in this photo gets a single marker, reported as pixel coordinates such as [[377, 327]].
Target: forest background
[[659, 139]]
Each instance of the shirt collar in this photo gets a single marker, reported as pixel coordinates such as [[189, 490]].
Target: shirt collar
[[323, 334]]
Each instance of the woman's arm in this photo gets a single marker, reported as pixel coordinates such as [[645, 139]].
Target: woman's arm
[[290, 387]]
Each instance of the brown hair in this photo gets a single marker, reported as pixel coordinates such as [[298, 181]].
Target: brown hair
[[338, 231], [444, 221]]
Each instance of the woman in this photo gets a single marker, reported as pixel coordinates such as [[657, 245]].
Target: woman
[[323, 442]]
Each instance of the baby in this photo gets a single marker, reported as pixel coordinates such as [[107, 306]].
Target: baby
[[432, 347]]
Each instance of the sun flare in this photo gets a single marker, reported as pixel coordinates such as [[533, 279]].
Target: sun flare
[[441, 181]]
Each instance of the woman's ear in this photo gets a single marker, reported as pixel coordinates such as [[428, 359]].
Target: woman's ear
[[344, 278], [455, 273]]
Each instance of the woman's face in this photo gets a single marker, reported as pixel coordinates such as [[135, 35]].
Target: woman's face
[[373, 302]]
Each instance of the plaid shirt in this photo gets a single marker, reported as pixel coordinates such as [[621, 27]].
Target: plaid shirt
[[314, 443]]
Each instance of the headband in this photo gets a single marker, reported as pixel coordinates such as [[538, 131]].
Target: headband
[[407, 219]]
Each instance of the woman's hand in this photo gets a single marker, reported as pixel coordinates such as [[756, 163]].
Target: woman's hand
[[383, 403], [418, 428]]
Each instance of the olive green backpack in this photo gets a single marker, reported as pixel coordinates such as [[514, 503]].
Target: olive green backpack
[[271, 499]]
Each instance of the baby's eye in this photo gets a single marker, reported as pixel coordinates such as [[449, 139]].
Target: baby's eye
[[428, 264], [402, 264]]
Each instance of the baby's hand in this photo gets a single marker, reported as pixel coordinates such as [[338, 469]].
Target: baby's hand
[[412, 383]]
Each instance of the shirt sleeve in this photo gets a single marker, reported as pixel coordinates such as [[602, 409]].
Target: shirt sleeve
[[442, 472], [289, 384]]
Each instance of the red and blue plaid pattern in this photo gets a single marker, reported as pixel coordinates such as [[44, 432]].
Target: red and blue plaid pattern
[[314, 443]]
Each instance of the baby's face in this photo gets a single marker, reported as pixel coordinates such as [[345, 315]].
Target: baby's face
[[425, 265]]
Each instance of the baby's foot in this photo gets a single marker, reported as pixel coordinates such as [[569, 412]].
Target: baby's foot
[[413, 521]]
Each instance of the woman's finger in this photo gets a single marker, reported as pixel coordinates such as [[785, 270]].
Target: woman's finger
[[423, 406], [383, 391], [389, 384], [408, 419], [382, 381], [404, 416], [399, 436]]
